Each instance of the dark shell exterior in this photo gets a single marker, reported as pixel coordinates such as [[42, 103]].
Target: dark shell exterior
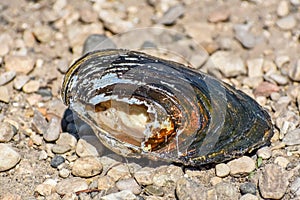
[[140, 105]]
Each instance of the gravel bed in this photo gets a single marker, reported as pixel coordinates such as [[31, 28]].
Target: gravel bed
[[253, 45]]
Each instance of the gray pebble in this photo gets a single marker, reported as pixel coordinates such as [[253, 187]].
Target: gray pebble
[[56, 161], [97, 42], [7, 77], [292, 137], [172, 14], [9, 158], [295, 187], [273, 182], [228, 63], [248, 187], [7, 132], [242, 34], [52, 133]]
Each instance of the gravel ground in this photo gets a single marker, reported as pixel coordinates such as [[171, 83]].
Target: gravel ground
[[253, 45]]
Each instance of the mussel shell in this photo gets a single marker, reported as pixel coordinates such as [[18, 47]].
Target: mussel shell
[[208, 121]]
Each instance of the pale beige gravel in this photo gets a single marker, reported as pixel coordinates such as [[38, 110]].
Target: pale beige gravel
[[255, 45]]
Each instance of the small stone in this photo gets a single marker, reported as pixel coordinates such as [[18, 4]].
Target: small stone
[[226, 191], [166, 175], [279, 79], [244, 36], [71, 185], [88, 15], [19, 64], [294, 71], [31, 86], [222, 170], [283, 8], [287, 23], [65, 143], [172, 14], [43, 155], [7, 132], [39, 123], [123, 195], [255, 67], [4, 94], [273, 182], [229, 64], [248, 188], [7, 77], [4, 49], [215, 180], [282, 60], [98, 42], [281, 161], [114, 22], [43, 34], [248, 197], [295, 187], [189, 189], [265, 89], [219, 15], [64, 173], [20, 81], [292, 137], [28, 38], [56, 161], [144, 176], [264, 153], [241, 166], [118, 172], [87, 167], [9, 158], [37, 140], [84, 149], [154, 190], [105, 183], [46, 188], [129, 184], [52, 133]]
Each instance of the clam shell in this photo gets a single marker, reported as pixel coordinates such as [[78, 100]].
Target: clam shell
[[140, 105]]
